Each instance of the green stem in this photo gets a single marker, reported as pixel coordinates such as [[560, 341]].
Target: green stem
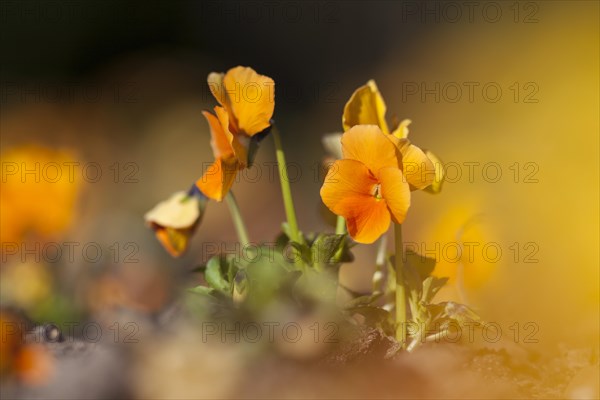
[[400, 289], [286, 191], [340, 227], [238, 221], [380, 261]]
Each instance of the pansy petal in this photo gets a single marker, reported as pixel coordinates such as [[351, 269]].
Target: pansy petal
[[175, 241], [238, 143], [178, 212], [369, 145], [252, 99], [395, 191], [220, 136], [346, 181], [401, 131], [365, 107], [369, 221], [436, 185], [349, 191], [218, 178], [418, 169], [215, 84]]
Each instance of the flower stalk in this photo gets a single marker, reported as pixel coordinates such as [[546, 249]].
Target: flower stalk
[[380, 262], [286, 190], [400, 288], [238, 221], [340, 227]]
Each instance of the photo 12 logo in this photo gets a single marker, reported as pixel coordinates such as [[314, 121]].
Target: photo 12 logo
[[470, 92], [91, 332], [254, 332], [69, 171], [471, 331], [70, 252], [452, 12], [474, 252]]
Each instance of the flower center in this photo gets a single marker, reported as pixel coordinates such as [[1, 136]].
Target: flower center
[[376, 192]]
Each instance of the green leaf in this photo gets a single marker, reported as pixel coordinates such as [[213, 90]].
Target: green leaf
[[360, 301], [232, 268], [417, 270], [286, 230], [214, 275], [264, 277], [281, 241], [431, 286], [325, 247], [201, 290], [240, 282], [424, 266], [345, 256], [303, 251]]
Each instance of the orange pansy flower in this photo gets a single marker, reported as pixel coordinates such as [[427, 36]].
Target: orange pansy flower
[[367, 187], [247, 102]]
